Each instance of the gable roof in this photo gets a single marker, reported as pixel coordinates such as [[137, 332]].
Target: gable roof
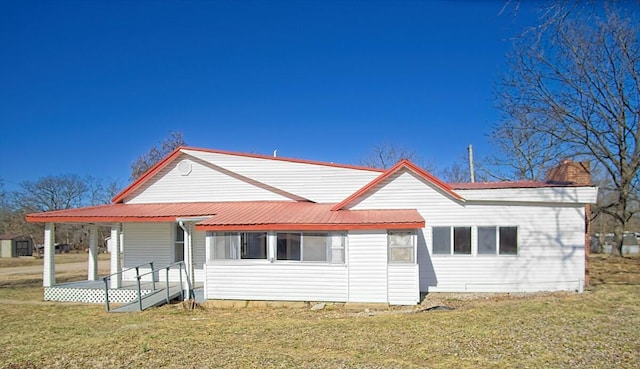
[[172, 156], [402, 164], [242, 216]]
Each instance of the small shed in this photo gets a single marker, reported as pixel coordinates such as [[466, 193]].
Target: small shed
[[13, 245]]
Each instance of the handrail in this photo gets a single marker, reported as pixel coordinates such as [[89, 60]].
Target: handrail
[[128, 269], [180, 264]]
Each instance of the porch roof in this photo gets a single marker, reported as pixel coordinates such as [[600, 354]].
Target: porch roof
[[238, 216]]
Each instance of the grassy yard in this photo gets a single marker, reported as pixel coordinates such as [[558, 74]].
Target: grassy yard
[[596, 329]]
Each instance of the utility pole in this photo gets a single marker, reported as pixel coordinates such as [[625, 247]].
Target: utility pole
[[473, 176]]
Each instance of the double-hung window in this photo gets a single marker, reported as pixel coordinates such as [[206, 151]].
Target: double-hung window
[[497, 240], [240, 245], [178, 245], [310, 246], [451, 240], [401, 246]]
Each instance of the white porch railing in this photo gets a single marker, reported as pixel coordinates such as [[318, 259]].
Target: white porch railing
[[140, 297]]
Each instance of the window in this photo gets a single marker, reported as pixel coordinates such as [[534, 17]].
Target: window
[[443, 237], [442, 240], [243, 245], [508, 241], [289, 245], [497, 240], [178, 245], [400, 247], [487, 240], [253, 245], [315, 247], [462, 240], [312, 247]]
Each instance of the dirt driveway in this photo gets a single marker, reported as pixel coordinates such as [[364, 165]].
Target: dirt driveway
[[103, 266]]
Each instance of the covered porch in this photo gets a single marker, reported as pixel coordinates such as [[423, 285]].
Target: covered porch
[[120, 285]]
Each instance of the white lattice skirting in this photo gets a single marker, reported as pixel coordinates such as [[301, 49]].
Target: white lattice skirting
[[91, 295]]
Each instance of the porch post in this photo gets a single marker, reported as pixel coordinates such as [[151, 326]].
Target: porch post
[[116, 267], [208, 246], [92, 269], [188, 260], [49, 266]]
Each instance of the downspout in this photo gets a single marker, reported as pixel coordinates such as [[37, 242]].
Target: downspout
[[190, 257]]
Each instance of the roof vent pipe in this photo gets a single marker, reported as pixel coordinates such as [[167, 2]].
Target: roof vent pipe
[[275, 153]]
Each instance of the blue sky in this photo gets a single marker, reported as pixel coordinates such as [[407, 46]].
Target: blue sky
[[86, 87]]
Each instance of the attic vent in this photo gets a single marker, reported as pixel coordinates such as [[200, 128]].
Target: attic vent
[[184, 167]]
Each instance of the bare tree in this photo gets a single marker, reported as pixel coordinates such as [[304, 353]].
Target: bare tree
[[456, 173], [145, 161], [51, 193], [385, 155], [100, 192], [3, 194], [574, 90], [524, 153], [54, 193]]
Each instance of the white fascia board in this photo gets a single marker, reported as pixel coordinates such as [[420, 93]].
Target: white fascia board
[[566, 195]]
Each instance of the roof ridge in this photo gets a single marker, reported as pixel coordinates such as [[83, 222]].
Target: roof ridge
[[407, 164], [278, 158]]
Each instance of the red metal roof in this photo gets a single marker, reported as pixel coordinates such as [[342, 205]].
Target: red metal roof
[[402, 164], [250, 215], [307, 216], [126, 213]]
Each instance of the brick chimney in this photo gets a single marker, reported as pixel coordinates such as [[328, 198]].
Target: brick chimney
[[570, 172]]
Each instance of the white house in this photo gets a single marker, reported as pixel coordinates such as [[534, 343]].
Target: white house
[[252, 227]]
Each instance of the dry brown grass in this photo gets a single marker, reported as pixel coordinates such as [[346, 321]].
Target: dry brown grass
[[596, 329]]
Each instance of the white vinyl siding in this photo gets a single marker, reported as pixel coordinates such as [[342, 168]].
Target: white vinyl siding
[[367, 259], [569, 195], [202, 184], [550, 240], [248, 280], [316, 182], [145, 242], [198, 244], [403, 284], [550, 253]]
